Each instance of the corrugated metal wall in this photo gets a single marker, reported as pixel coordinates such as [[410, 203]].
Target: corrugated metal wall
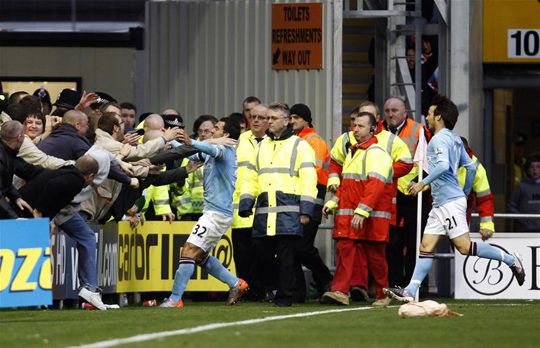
[[205, 57]]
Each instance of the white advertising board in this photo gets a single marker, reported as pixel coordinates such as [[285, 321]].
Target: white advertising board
[[477, 278]]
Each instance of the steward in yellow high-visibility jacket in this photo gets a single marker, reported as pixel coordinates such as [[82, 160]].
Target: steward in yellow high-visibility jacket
[[189, 199], [281, 177], [480, 195], [364, 206], [391, 143], [159, 196], [244, 251], [247, 146], [282, 180], [401, 165]]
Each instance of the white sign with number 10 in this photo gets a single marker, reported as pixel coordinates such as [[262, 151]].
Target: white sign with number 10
[[523, 43]]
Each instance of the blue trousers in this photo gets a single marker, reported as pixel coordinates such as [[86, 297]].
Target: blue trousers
[[78, 230]]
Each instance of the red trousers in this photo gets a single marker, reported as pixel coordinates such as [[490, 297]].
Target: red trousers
[[355, 260]]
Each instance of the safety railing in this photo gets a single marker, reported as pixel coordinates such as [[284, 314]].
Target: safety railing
[[511, 216], [328, 246], [474, 215]]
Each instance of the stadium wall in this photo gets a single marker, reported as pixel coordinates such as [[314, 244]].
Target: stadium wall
[[205, 57], [104, 69]]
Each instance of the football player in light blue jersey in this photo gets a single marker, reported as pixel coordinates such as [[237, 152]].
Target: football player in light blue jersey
[[445, 154], [219, 181]]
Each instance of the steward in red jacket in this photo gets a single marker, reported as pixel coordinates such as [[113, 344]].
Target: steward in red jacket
[[364, 210]]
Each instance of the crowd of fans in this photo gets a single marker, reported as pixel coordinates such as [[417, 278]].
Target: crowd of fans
[[101, 162]]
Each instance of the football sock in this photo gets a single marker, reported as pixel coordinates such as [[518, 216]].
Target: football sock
[[423, 265], [487, 251], [215, 268], [183, 273]]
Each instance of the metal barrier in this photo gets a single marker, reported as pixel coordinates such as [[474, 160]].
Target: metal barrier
[[511, 216]]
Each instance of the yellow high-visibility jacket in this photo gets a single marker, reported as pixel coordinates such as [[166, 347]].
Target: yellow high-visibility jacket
[[367, 190], [282, 179], [480, 195], [247, 146], [392, 144], [410, 134], [189, 199], [159, 195]]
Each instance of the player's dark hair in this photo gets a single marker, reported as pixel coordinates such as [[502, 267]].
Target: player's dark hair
[[231, 126], [446, 109], [239, 117]]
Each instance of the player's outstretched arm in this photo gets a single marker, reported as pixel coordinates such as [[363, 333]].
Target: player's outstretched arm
[[226, 141]]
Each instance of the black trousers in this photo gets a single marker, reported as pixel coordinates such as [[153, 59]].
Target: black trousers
[[280, 249], [401, 248], [244, 254], [308, 255]]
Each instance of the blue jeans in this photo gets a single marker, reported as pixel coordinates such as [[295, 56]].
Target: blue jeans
[[78, 230]]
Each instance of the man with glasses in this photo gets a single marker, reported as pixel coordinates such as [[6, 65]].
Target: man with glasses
[[188, 199], [282, 180], [220, 174], [244, 255]]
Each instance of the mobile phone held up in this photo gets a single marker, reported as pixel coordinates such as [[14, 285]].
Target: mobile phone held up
[[137, 131]]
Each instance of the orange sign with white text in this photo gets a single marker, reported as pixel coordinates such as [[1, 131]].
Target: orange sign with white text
[[297, 36]]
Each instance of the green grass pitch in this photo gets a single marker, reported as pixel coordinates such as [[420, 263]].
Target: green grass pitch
[[485, 324]]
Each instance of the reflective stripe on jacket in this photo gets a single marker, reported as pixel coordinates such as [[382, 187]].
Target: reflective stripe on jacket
[[322, 153], [189, 199], [366, 190], [480, 195], [337, 157], [402, 162], [410, 133], [159, 195], [281, 177], [392, 144], [247, 146], [322, 166]]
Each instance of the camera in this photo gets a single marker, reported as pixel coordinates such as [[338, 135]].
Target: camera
[[137, 131]]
